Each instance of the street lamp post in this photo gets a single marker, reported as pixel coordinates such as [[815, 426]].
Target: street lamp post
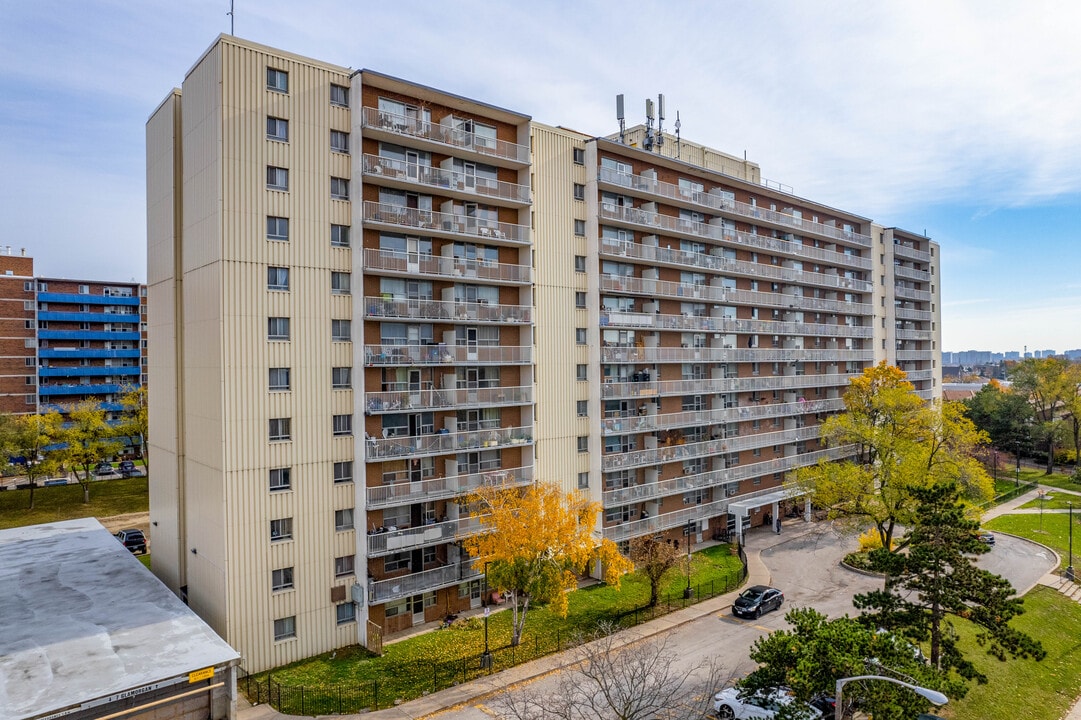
[[1069, 568], [687, 591], [1017, 471], [934, 696], [486, 658]]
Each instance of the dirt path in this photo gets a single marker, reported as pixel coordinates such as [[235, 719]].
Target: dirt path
[[130, 520]]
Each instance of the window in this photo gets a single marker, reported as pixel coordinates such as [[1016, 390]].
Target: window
[[579, 299], [343, 424], [579, 191], [341, 331], [345, 613], [343, 519], [277, 228], [579, 156], [339, 188], [340, 283], [343, 471], [579, 227], [277, 129], [583, 408], [84, 289], [344, 565], [579, 263], [583, 481], [277, 80], [341, 378], [285, 628], [277, 178], [428, 555], [279, 378], [339, 95], [277, 278], [281, 529], [277, 328], [339, 141], [580, 336], [281, 479], [582, 372], [281, 579], [280, 428], [583, 444], [397, 561], [339, 236]]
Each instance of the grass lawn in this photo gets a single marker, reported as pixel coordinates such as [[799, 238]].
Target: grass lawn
[[1057, 500], [65, 502], [1050, 529], [412, 666], [145, 559], [1025, 688]]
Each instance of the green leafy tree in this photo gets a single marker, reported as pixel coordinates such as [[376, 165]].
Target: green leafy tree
[[1071, 405], [937, 581], [1045, 383], [88, 439], [810, 657], [32, 438], [656, 559], [899, 443], [1005, 416], [135, 423]]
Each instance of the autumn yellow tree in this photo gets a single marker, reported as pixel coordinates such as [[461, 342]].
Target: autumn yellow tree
[[535, 542], [899, 443]]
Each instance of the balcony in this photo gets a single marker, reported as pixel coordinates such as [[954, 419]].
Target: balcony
[[707, 448], [632, 422], [89, 353], [912, 314], [639, 354], [919, 375], [630, 389], [404, 492], [409, 399], [78, 371], [78, 316], [394, 355], [909, 273], [449, 183], [447, 310], [903, 250], [651, 222], [908, 334], [705, 323], [428, 222], [80, 389], [438, 533], [87, 335], [907, 293], [450, 268], [718, 478], [915, 355], [719, 203], [441, 443], [442, 139], [383, 591], [78, 299]]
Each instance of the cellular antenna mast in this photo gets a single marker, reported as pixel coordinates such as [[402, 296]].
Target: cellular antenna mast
[[232, 19], [677, 135], [621, 118], [647, 142], [660, 121]]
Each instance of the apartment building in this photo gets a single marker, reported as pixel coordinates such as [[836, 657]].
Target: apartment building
[[371, 296], [66, 341]]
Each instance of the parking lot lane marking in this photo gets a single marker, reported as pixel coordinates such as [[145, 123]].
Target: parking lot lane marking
[[731, 619], [486, 710]]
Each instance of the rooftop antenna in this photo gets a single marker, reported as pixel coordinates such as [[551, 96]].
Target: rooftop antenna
[[621, 118], [677, 135], [647, 143], [660, 121], [232, 19]]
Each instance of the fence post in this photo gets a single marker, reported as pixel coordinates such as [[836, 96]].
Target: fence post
[[339, 699], [301, 699], [375, 694]]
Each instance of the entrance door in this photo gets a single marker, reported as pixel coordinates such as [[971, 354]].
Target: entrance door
[[417, 607], [414, 387], [470, 182], [412, 254], [412, 165]]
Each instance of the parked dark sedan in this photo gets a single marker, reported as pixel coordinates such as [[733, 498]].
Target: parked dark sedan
[[756, 600], [133, 539]]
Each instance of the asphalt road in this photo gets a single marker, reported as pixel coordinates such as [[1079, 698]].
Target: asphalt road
[[807, 568]]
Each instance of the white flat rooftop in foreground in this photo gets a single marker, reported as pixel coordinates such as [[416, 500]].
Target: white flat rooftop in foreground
[[81, 618]]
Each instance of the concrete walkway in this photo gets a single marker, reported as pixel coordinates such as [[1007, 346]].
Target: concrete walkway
[[757, 574]]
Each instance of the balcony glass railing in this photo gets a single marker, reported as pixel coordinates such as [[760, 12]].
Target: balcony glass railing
[[379, 449], [379, 307], [87, 335], [405, 492], [438, 178], [54, 297], [411, 127], [907, 251], [655, 321], [410, 399], [79, 316], [103, 389], [471, 226], [381, 355], [89, 353], [911, 293], [641, 354], [726, 205], [651, 222], [79, 371], [707, 448], [445, 267], [635, 423], [399, 539], [632, 389], [383, 591]]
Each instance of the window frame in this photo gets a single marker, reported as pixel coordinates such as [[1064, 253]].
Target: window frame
[[342, 425], [277, 278], [343, 101], [277, 80], [583, 443], [345, 566], [277, 129], [284, 428], [336, 381], [274, 225], [351, 607], [275, 333], [274, 176], [278, 379], [336, 327], [339, 188], [337, 287], [341, 231], [579, 227], [579, 155], [579, 191], [280, 479], [343, 146], [288, 628], [282, 579], [343, 466], [284, 529], [341, 523]]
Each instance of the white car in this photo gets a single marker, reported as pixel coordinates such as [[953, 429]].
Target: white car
[[763, 705]]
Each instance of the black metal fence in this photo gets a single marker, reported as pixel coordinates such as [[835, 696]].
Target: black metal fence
[[415, 681]]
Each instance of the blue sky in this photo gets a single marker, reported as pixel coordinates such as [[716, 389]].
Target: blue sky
[[959, 118]]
